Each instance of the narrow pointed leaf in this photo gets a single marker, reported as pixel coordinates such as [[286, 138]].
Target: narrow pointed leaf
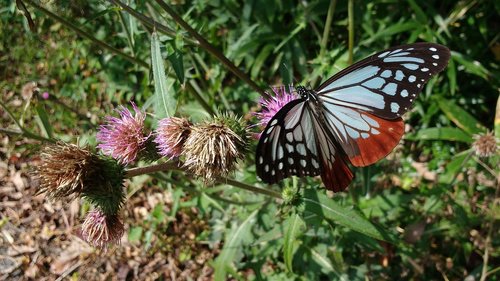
[[294, 226], [165, 100], [319, 204], [44, 121], [460, 117], [232, 245], [446, 133]]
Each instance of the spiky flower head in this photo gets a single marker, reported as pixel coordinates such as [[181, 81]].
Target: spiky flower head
[[100, 229], [485, 145], [123, 137], [213, 148], [63, 170], [171, 135], [273, 103], [67, 171]]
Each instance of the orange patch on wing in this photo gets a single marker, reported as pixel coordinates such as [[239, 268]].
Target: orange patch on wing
[[338, 176], [376, 147]]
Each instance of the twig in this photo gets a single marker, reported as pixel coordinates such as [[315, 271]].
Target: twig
[[177, 167]]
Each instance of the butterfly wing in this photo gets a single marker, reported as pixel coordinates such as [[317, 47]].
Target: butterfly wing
[[363, 103], [295, 143], [387, 83], [287, 145]]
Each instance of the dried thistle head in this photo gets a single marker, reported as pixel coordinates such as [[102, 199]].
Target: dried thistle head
[[171, 135], [485, 145], [100, 229], [63, 170], [68, 171], [212, 148]]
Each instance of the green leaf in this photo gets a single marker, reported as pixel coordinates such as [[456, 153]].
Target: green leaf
[[44, 121], [135, 234], [177, 62], [446, 133], [294, 227], [165, 100], [319, 204], [460, 117], [391, 30], [232, 245], [471, 66]]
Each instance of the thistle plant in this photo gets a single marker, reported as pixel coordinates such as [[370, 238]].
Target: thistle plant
[[123, 137]]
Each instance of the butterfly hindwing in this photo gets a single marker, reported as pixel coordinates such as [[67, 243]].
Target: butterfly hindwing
[[287, 145], [386, 84]]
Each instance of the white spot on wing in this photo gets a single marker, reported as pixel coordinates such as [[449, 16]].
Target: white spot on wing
[[301, 149], [412, 78], [390, 89], [403, 59], [383, 54], [386, 73], [394, 107], [352, 133], [399, 75], [303, 163], [433, 49], [289, 136], [365, 135], [410, 66], [425, 69], [374, 83], [404, 93], [435, 57]]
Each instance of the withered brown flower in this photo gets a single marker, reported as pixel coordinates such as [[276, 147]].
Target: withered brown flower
[[212, 150], [485, 145], [63, 170]]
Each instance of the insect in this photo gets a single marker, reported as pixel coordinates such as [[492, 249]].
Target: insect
[[353, 117]]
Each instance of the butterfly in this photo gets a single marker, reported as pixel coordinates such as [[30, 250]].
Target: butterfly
[[353, 117]]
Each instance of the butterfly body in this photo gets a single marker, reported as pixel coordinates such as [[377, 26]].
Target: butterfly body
[[354, 116]]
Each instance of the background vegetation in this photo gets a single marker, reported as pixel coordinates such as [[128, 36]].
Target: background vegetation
[[433, 199]]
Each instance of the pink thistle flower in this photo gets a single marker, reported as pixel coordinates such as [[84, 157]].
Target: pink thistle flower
[[100, 230], [122, 137], [171, 134], [45, 95], [273, 103]]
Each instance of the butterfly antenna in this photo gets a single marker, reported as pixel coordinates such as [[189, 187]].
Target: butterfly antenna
[[295, 81]]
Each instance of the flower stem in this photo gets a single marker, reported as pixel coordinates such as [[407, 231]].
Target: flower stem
[[211, 49], [177, 167]]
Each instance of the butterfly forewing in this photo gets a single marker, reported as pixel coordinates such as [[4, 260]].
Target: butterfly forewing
[[387, 83], [287, 145]]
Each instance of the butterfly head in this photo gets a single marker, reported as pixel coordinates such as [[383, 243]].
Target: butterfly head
[[306, 94]]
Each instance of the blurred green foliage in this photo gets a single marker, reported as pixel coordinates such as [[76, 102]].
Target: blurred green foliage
[[433, 198]]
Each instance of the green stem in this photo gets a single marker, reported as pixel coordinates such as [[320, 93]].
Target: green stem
[[177, 167], [87, 35], [328, 24], [326, 34], [350, 15], [211, 49]]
